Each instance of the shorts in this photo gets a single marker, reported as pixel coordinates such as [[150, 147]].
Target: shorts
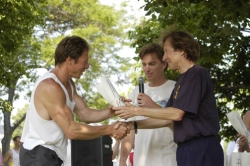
[[203, 151], [39, 156]]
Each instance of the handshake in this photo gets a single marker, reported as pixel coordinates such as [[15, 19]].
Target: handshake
[[119, 129]]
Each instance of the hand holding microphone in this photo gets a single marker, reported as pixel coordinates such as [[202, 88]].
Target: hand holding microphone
[[144, 100]]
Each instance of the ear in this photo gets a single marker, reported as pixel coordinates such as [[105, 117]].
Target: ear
[[68, 60], [183, 53]]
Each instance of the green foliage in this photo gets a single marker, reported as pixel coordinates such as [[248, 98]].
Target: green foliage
[[218, 26], [5, 105], [102, 26], [17, 19]]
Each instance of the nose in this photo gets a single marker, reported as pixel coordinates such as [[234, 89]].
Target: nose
[[146, 67], [86, 65], [164, 58]]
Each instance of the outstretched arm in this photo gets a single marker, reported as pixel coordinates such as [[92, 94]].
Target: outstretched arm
[[168, 113], [50, 102], [89, 115]]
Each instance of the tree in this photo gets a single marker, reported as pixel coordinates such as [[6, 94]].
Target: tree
[[218, 26], [20, 71], [17, 19]]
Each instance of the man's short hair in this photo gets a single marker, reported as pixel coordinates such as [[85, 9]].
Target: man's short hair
[[16, 137], [152, 48], [70, 46]]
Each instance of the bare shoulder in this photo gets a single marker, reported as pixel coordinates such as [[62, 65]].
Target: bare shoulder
[[49, 87], [48, 95]]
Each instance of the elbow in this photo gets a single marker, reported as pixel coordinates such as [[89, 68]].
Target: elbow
[[179, 115], [70, 135]]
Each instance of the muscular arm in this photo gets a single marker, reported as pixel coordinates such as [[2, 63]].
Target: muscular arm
[[89, 115], [50, 102]]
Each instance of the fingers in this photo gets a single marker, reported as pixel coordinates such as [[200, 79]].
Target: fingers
[[117, 125], [126, 124], [242, 138], [122, 115], [120, 133]]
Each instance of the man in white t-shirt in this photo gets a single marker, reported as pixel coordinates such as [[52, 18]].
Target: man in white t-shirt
[[152, 146], [12, 155]]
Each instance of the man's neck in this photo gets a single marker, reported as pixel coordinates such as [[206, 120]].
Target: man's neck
[[61, 74], [16, 149], [157, 82], [185, 65]]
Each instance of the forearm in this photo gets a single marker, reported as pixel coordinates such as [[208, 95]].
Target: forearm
[[168, 113], [152, 123], [86, 132], [94, 116]]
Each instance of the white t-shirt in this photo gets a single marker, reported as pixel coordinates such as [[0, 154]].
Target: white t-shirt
[[231, 147], [15, 158], [154, 147]]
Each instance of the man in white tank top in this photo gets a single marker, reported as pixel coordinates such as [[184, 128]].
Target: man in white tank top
[[12, 155], [49, 120], [151, 146]]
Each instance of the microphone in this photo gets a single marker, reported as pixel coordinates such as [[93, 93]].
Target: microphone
[[141, 84]]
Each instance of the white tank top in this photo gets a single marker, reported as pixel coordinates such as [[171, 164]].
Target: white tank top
[[47, 133], [15, 158]]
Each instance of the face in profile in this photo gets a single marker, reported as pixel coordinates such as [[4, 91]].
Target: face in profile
[[171, 56], [78, 67]]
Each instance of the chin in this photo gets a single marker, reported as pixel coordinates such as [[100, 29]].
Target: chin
[[172, 68]]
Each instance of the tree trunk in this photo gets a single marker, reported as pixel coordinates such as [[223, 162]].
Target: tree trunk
[[7, 132], [8, 129]]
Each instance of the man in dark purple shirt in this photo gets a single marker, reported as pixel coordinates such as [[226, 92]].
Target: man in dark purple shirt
[[191, 107], [193, 93]]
